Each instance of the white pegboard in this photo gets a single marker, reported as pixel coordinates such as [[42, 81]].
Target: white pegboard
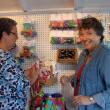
[[44, 49]]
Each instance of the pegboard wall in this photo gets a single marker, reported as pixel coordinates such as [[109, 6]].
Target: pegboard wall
[[46, 51]]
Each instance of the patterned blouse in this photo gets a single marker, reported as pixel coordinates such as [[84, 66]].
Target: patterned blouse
[[14, 87]]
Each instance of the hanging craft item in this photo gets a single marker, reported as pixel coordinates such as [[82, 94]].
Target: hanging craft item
[[63, 29], [28, 52], [67, 56], [64, 24], [46, 76], [62, 40], [28, 30], [28, 49]]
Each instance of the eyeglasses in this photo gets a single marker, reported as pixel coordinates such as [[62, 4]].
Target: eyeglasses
[[15, 34]]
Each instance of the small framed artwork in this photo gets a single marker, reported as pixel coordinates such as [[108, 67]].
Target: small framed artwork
[[67, 56]]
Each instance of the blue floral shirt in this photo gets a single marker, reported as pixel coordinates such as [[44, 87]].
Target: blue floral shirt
[[14, 86]]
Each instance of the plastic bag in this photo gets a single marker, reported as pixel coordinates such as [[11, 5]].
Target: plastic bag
[[67, 92]]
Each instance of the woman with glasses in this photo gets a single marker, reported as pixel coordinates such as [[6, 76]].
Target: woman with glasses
[[14, 85]]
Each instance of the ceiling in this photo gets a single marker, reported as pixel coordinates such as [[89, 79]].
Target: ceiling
[[10, 5], [35, 5], [93, 5]]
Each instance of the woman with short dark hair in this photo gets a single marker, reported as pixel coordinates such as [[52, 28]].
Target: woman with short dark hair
[[91, 81], [14, 85]]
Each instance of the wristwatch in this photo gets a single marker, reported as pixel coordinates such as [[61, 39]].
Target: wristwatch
[[92, 100]]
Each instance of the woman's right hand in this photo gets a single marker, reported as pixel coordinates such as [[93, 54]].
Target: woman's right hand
[[64, 79], [32, 73]]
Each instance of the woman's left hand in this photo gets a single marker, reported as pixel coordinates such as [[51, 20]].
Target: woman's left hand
[[81, 100]]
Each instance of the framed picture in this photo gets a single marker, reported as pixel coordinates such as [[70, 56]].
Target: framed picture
[[67, 56]]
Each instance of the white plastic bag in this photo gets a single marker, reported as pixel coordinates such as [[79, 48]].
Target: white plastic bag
[[67, 91]]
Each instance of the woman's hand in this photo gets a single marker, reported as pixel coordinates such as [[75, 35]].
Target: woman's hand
[[81, 100], [32, 73], [64, 79]]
